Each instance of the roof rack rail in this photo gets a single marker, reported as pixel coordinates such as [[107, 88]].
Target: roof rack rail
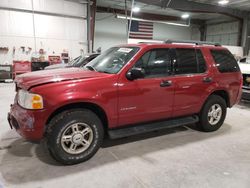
[[192, 42], [155, 42]]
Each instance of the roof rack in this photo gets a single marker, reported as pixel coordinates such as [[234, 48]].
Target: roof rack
[[192, 42], [156, 42]]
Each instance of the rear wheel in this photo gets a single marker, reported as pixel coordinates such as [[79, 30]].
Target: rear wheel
[[74, 136], [213, 114]]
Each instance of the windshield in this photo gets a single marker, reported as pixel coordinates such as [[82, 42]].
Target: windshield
[[112, 60]]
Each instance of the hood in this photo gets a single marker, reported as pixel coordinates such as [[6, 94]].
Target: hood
[[245, 68], [57, 66], [28, 80]]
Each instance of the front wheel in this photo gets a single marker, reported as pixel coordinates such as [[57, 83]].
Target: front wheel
[[74, 136], [213, 114]]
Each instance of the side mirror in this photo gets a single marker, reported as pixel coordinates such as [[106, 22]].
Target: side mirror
[[135, 73]]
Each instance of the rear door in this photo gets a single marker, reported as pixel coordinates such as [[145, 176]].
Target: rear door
[[192, 80]]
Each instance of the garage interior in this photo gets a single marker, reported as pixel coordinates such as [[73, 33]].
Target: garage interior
[[35, 34]]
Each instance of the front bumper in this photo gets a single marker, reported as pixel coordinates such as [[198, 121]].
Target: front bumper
[[30, 124]]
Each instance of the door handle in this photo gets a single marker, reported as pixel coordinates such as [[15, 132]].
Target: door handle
[[166, 83], [207, 79]]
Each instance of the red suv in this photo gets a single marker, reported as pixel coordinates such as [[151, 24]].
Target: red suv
[[127, 90]]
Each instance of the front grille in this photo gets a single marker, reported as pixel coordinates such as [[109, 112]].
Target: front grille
[[246, 80]]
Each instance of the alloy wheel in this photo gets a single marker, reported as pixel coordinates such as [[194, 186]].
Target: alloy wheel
[[77, 138]]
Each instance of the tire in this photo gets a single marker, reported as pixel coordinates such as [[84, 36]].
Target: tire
[[208, 121], [74, 136]]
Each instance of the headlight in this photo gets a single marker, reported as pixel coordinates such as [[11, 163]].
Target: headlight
[[29, 100]]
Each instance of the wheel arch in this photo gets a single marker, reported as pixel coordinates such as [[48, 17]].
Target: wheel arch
[[99, 111], [222, 93]]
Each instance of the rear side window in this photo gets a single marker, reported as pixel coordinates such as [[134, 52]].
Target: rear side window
[[189, 61], [225, 61]]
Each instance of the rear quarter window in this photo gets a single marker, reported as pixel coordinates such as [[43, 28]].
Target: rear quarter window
[[225, 61]]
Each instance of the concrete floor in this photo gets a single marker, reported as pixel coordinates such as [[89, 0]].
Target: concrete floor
[[181, 157]]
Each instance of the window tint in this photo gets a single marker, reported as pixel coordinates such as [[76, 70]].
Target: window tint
[[201, 62], [185, 61], [189, 61], [225, 61], [155, 63]]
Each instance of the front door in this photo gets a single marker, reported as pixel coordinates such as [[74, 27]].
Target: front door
[[149, 98]]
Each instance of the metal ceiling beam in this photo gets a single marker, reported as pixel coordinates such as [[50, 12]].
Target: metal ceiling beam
[[43, 13], [190, 6], [89, 27], [92, 22], [147, 16], [139, 14]]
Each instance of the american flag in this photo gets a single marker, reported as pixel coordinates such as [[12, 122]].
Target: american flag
[[141, 30]]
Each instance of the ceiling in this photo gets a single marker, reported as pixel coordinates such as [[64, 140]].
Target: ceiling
[[120, 4], [235, 4]]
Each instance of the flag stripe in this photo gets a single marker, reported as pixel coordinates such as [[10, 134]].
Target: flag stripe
[[146, 23], [140, 33], [151, 29], [146, 30], [142, 25], [145, 27], [140, 37], [141, 30], [134, 36]]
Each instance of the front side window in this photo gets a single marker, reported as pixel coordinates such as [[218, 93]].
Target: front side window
[[225, 61], [112, 60], [155, 63]]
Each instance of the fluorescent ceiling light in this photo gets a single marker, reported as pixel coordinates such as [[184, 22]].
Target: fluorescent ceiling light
[[185, 16], [136, 9], [223, 2]]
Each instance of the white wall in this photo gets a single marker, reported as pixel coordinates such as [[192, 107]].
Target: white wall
[[237, 51], [110, 31], [53, 33], [224, 33], [195, 33], [164, 32]]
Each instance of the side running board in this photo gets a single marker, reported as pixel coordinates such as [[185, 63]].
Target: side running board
[[149, 127]]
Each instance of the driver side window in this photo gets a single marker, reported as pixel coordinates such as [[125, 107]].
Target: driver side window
[[155, 63]]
